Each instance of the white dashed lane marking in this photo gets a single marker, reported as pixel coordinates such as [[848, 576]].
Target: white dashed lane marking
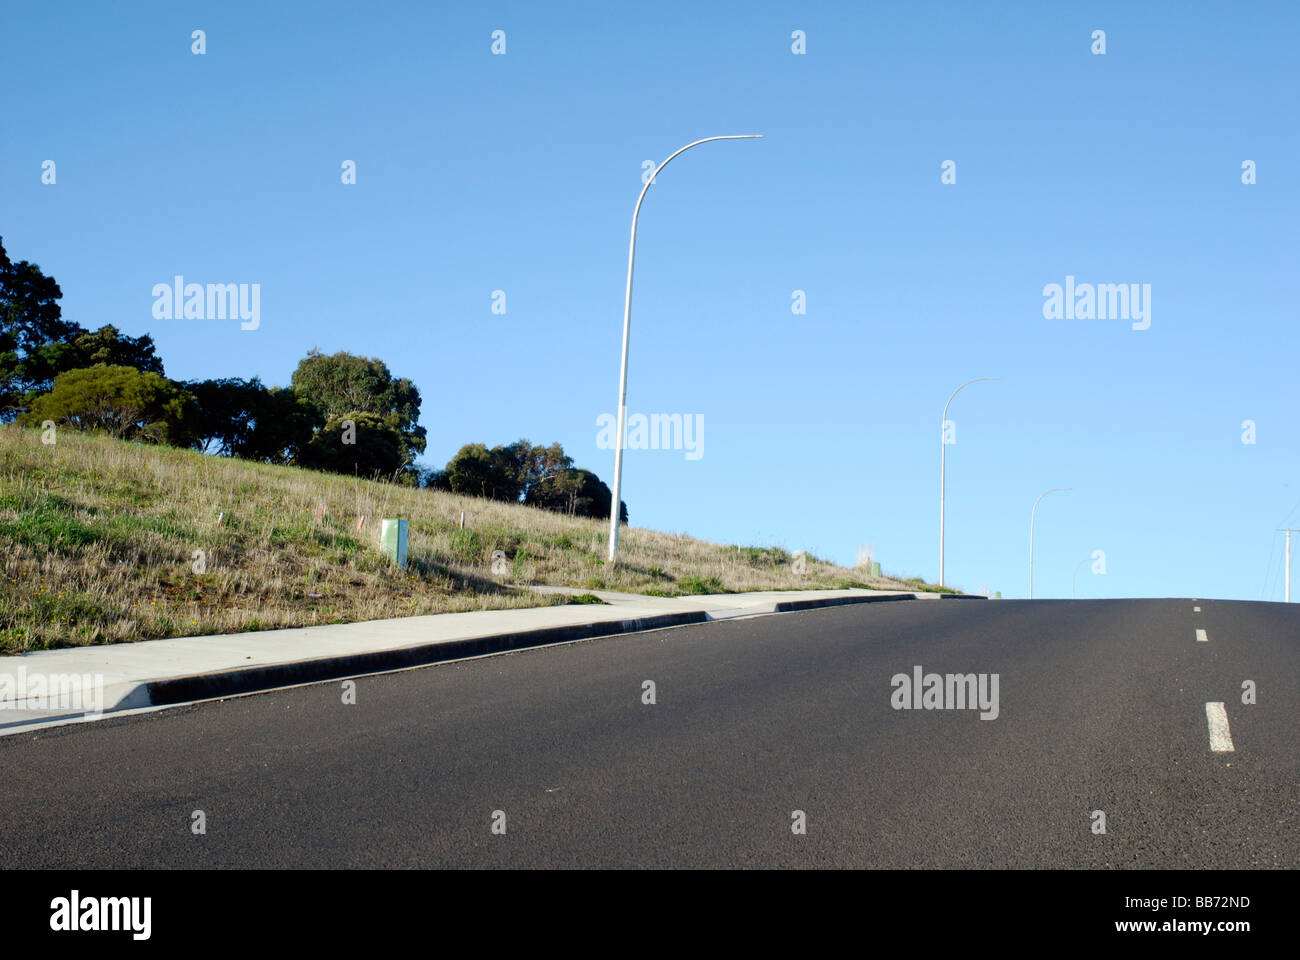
[[1201, 636], [1220, 735]]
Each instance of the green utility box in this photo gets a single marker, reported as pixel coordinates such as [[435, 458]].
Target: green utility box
[[875, 569], [392, 541]]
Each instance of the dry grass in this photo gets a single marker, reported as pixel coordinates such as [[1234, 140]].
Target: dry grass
[[99, 540]]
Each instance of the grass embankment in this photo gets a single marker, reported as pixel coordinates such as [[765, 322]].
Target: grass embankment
[[98, 542]]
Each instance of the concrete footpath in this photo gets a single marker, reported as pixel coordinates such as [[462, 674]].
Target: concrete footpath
[[84, 683]]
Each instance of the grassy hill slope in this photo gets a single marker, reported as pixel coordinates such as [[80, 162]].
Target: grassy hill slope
[[98, 542]]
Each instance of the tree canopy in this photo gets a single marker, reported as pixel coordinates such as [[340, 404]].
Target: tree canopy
[[575, 492], [243, 418], [522, 471], [30, 319], [384, 409], [120, 401], [37, 344], [364, 444]]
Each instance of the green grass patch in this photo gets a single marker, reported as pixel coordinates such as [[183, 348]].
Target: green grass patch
[[700, 585], [920, 586], [468, 546], [763, 556], [49, 530]]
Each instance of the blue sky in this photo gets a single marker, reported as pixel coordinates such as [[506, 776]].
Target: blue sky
[[518, 172]]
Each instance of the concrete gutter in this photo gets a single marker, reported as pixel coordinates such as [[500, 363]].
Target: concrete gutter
[[207, 686], [153, 674]]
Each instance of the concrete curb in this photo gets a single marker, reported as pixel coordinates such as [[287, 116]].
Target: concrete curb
[[791, 606], [225, 683], [134, 696], [207, 686]]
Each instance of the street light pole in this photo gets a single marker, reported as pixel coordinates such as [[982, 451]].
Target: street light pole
[[614, 512], [1076, 574], [943, 463], [1289, 531], [1031, 536]]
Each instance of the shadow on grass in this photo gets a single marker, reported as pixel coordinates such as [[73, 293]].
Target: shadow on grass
[[460, 579]]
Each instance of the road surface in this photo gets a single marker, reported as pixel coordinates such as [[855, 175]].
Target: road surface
[[1102, 706]]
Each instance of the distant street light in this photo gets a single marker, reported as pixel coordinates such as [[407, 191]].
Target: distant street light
[[614, 512], [1289, 531], [1031, 536], [1075, 576], [943, 462]]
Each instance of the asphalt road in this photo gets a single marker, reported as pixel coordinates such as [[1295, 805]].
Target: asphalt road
[[1102, 706]]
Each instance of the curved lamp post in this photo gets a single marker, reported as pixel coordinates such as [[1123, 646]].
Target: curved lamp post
[[1076, 575], [614, 510], [943, 462], [1031, 536]]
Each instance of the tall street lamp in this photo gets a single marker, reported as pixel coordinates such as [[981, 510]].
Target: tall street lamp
[[614, 511], [943, 461], [1031, 536], [1075, 576]]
